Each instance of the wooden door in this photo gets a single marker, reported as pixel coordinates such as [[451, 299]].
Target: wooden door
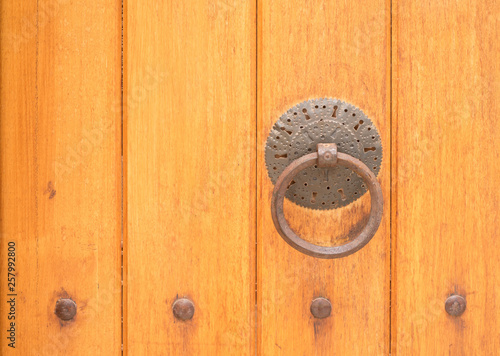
[[134, 185], [60, 159], [307, 50], [445, 174], [190, 178]]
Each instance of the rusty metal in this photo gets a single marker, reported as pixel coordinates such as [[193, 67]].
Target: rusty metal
[[65, 309], [183, 309], [455, 305], [321, 308], [344, 160], [298, 132], [327, 155]]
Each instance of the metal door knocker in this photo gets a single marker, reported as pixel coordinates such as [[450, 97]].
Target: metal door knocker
[[324, 154]]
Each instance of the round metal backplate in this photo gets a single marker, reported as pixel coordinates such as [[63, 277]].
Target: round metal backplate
[[298, 132]]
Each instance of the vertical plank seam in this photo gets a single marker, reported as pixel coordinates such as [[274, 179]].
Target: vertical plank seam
[[35, 142], [256, 314], [122, 187], [258, 191], [390, 181], [124, 112], [393, 182]]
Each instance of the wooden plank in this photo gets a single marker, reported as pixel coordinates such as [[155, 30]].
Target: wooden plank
[[320, 49], [446, 176], [190, 183], [60, 173]]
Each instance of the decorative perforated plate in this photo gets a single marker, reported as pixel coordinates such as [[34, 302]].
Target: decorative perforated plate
[[297, 133]]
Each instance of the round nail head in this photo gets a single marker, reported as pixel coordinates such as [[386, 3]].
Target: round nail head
[[183, 309], [65, 309], [321, 308], [455, 305]]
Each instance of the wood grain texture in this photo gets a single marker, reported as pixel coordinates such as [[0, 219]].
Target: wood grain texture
[[323, 48], [446, 175], [60, 163], [190, 184]]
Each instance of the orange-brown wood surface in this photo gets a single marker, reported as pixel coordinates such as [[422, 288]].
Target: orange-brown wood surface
[[190, 181], [60, 147], [170, 148], [309, 50], [446, 104]]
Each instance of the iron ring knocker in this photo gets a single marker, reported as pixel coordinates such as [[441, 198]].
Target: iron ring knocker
[[327, 156]]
